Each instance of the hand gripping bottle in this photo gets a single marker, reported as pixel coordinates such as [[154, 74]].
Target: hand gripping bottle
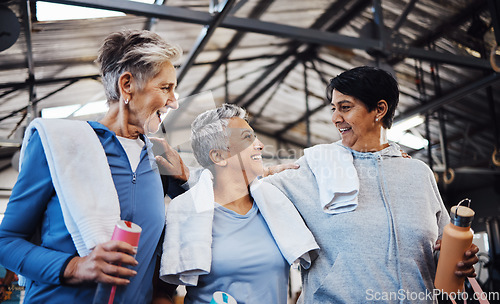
[[124, 231], [457, 238]]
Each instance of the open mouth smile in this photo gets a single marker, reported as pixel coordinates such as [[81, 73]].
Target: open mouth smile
[[257, 157], [343, 130], [162, 113]]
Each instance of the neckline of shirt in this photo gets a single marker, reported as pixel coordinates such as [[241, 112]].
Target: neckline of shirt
[[234, 214]]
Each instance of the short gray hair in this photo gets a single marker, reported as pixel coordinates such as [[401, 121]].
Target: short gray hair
[[139, 52], [208, 131]]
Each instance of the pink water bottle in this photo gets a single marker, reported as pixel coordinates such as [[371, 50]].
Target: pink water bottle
[[125, 231], [128, 232]]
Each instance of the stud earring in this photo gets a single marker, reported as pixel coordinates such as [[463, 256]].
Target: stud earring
[[376, 119], [126, 101]]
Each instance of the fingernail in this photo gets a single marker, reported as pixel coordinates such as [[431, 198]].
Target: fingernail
[[468, 252], [458, 273], [460, 264]]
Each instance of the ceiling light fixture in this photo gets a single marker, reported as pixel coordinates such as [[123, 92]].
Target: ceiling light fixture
[[399, 133]]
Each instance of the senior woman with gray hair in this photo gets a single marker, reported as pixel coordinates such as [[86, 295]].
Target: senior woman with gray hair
[[77, 179], [230, 232]]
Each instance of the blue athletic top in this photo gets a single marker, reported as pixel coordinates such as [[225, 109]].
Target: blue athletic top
[[246, 262], [34, 206]]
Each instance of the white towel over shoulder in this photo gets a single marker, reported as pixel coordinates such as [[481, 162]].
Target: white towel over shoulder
[[82, 179], [187, 248], [337, 179]]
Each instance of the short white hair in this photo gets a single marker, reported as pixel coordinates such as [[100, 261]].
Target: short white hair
[[209, 131]]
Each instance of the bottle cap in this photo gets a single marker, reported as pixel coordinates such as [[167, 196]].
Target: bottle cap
[[128, 232], [462, 216], [220, 297]]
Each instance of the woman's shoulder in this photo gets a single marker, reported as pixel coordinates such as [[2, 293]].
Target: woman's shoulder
[[412, 165], [184, 199], [196, 200], [32, 145]]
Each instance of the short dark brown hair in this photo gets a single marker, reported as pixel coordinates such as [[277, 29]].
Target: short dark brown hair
[[369, 85]]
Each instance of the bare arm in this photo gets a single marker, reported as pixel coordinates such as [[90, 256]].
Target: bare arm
[[278, 168]]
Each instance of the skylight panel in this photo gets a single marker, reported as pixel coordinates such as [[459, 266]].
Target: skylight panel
[[46, 11]]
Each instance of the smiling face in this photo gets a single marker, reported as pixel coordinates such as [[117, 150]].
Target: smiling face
[[154, 99], [245, 150], [356, 124]]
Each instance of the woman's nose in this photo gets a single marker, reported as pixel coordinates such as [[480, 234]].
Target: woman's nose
[[258, 144], [336, 117], [172, 102]]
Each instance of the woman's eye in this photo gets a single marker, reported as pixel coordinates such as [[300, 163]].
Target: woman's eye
[[345, 108], [167, 88], [332, 109], [249, 136]]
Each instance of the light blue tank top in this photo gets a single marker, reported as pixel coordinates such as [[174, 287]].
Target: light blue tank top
[[246, 262]]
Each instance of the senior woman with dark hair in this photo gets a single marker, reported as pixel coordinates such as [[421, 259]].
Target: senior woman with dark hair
[[230, 232], [375, 215], [77, 179]]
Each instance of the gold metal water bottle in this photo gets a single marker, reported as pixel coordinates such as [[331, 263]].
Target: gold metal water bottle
[[457, 238]]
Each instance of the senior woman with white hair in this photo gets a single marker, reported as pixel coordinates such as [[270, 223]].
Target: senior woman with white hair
[[230, 232], [77, 179]]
